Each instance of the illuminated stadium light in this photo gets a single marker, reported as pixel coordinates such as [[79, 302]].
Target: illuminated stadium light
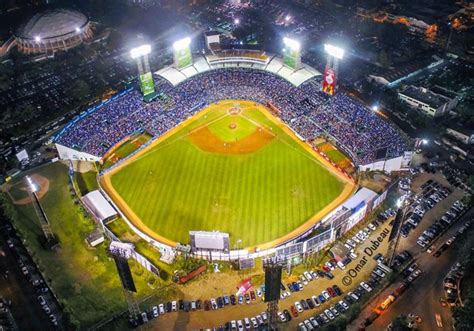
[[140, 51], [78, 29], [291, 43], [425, 141], [37, 39], [183, 43], [332, 50], [33, 186], [375, 108], [287, 18], [236, 21]]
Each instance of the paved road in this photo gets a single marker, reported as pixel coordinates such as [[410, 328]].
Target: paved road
[[422, 298]]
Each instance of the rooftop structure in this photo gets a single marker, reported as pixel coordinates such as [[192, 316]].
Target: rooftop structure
[[52, 31], [433, 104]]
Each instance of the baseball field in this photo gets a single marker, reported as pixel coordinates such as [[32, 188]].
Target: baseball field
[[233, 168]]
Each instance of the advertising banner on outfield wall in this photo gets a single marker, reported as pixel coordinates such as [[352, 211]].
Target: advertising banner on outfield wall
[[329, 81]]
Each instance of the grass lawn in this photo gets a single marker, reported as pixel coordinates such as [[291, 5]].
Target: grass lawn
[[86, 181], [176, 187], [125, 234], [128, 148], [84, 279]]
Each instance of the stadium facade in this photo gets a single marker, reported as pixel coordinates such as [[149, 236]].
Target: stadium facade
[[53, 30]]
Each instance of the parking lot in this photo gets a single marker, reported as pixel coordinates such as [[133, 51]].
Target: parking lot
[[347, 280], [33, 306]]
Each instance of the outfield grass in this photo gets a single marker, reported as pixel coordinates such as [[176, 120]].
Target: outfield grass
[[84, 279], [176, 187]]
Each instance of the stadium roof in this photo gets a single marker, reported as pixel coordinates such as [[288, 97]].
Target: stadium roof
[[52, 24], [275, 65], [426, 96], [363, 195], [98, 205]]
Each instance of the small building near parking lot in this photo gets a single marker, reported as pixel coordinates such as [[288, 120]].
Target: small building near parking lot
[[339, 252]]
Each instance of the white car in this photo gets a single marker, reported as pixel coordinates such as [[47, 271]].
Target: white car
[[161, 309], [144, 317], [366, 286], [174, 306], [353, 295], [371, 226], [247, 323], [240, 325], [155, 311], [303, 280], [254, 322], [326, 295], [259, 293], [329, 314], [344, 304], [308, 276], [259, 319], [302, 327], [282, 316], [299, 307]]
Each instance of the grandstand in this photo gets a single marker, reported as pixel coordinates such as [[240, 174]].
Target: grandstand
[[370, 141]]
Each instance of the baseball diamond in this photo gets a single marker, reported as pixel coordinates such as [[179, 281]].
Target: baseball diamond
[[232, 167]]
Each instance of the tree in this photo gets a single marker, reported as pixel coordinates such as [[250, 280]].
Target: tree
[[384, 59], [464, 316], [400, 323], [80, 89]]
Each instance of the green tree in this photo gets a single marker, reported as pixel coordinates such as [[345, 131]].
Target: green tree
[[384, 59], [80, 89], [464, 316], [400, 323]]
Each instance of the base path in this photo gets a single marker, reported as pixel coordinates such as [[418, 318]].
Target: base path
[[41, 182], [132, 217]]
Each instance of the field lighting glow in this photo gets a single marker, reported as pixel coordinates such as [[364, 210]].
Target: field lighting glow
[[291, 43], [37, 39], [337, 52], [32, 184], [236, 21], [183, 43], [140, 51]]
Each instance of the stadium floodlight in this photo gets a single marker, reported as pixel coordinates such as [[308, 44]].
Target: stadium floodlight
[[78, 29], [334, 51], [33, 187], [140, 51], [375, 108], [236, 21], [37, 39], [287, 18], [425, 141], [291, 43], [183, 43]]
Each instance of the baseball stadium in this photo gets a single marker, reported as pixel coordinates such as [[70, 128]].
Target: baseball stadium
[[239, 143]]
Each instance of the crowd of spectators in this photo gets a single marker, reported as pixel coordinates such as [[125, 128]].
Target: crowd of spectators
[[305, 109]]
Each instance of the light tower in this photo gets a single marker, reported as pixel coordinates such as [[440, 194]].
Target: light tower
[[140, 54], [335, 54], [273, 267], [182, 53], [50, 238], [121, 252], [292, 53]]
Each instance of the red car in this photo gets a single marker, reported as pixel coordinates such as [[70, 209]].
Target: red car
[[207, 305], [252, 295], [325, 268], [294, 312], [331, 292]]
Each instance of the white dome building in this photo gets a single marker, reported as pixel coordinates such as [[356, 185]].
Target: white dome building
[[53, 30]]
